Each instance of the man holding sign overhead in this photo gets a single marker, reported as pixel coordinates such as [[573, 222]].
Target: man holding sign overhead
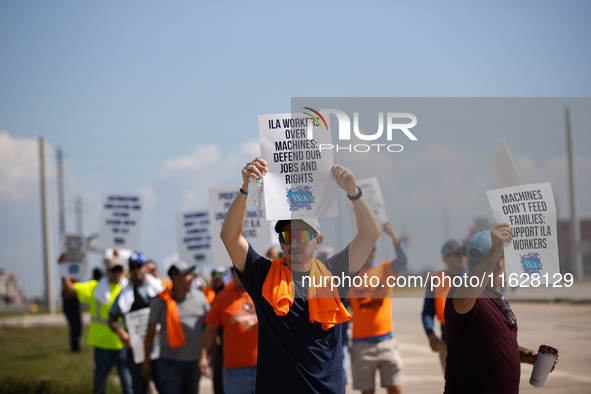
[[300, 350]]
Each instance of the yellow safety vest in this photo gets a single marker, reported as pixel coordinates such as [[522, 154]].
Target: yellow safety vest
[[99, 335]]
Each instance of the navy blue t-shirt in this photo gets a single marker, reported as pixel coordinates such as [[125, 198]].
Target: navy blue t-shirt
[[294, 355]]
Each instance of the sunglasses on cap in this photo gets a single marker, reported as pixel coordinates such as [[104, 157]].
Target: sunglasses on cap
[[504, 304], [302, 236]]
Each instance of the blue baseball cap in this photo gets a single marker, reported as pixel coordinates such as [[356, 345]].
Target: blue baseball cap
[[137, 257], [450, 246], [481, 241]]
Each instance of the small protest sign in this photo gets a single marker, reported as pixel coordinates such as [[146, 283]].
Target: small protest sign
[[193, 237], [531, 213], [257, 230], [121, 219], [373, 194], [299, 184], [74, 251], [136, 323]]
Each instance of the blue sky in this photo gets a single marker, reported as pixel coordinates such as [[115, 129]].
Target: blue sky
[[162, 98]]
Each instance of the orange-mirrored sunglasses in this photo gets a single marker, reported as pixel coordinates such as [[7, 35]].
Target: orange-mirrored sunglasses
[[302, 236]]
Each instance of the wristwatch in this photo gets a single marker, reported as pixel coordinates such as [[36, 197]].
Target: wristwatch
[[357, 196]]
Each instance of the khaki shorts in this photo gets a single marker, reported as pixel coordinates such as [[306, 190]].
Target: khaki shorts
[[367, 357]]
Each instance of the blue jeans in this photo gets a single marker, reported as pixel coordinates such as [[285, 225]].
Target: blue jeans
[[75, 322], [240, 380], [71, 308], [178, 377], [104, 359], [140, 386]]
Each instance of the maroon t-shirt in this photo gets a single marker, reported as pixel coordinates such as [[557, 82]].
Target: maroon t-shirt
[[482, 350]]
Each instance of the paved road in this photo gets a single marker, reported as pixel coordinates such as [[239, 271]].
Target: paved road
[[564, 326]]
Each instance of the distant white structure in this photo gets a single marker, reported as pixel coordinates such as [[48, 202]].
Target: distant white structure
[[11, 289]]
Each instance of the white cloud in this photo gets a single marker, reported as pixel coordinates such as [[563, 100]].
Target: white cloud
[[206, 167], [202, 157], [19, 166], [251, 148]]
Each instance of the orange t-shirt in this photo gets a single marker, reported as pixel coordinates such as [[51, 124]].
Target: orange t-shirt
[[233, 310], [209, 294], [372, 306]]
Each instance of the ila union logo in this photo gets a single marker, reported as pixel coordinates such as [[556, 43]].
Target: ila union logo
[[531, 263], [300, 197]]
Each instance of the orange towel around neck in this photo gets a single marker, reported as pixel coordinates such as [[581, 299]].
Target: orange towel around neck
[[324, 305], [174, 329]]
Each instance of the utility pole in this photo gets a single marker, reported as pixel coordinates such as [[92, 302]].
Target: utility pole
[[79, 209], [576, 252], [60, 192], [45, 218]]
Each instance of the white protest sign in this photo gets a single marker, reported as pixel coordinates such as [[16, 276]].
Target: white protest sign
[[373, 194], [136, 323], [531, 213], [504, 167], [121, 219], [74, 251], [299, 184], [257, 230], [193, 237]]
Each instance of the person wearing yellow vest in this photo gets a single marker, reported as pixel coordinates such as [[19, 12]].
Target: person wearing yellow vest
[[375, 347], [455, 258], [300, 347], [109, 350]]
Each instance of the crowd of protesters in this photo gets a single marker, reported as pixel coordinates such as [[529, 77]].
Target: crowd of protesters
[[259, 327]]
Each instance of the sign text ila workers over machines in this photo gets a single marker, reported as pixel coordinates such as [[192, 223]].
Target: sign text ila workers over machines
[[531, 214], [193, 237], [299, 184], [121, 220]]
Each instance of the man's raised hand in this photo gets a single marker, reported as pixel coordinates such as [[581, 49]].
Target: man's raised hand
[[254, 169], [344, 178]]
